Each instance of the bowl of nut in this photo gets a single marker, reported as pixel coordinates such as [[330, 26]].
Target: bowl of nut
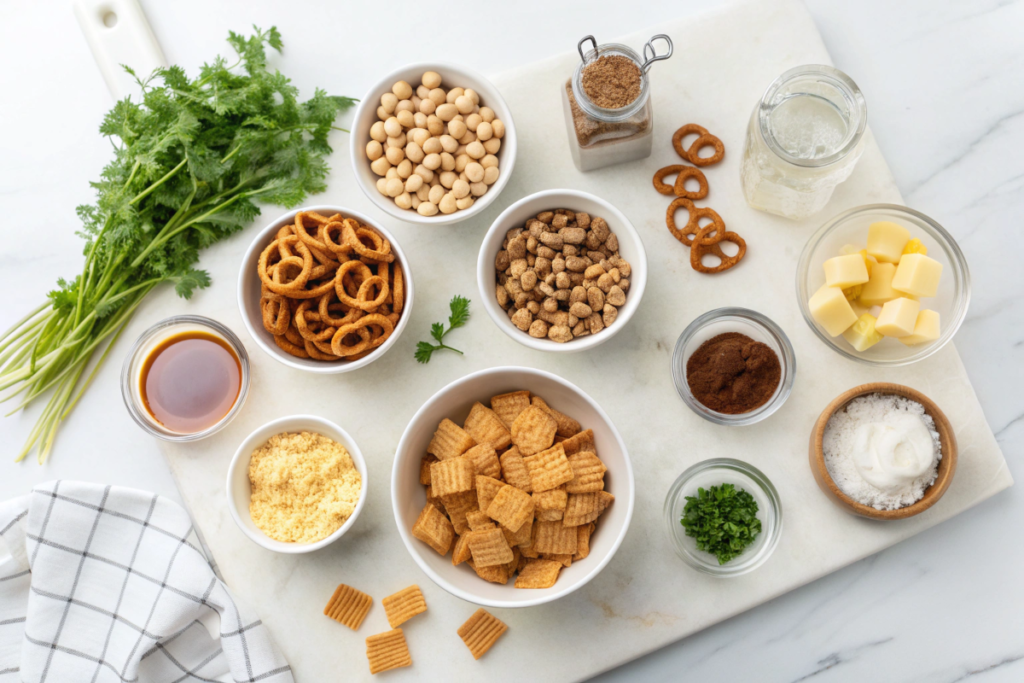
[[433, 143], [511, 487], [561, 271]]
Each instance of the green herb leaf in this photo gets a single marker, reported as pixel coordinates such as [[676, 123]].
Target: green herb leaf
[[459, 306], [722, 520]]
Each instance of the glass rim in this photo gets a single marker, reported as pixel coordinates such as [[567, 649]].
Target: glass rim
[[842, 82], [601, 113], [773, 518], [129, 376], [787, 361], [958, 264]]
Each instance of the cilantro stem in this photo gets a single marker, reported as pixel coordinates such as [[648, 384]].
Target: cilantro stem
[[170, 174]]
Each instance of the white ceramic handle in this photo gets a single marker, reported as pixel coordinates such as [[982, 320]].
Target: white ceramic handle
[[118, 33]]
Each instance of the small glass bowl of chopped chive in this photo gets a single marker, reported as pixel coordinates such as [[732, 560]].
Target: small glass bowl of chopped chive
[[724, 517]]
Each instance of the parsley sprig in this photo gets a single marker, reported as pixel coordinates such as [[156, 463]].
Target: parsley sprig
[[723, 520], [191, 159], [460, 315]]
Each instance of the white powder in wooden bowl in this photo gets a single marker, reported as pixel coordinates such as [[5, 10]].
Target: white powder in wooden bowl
[[838, 443]]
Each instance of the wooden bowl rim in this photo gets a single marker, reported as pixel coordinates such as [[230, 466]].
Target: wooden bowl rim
[[947, 465]]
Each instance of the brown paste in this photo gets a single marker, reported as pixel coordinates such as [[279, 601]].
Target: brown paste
[[732, 374]]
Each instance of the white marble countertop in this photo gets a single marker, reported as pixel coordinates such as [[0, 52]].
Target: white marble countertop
[[943, 81]]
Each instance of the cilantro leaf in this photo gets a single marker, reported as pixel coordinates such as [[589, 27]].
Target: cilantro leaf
[[722, 520], [459, 306]]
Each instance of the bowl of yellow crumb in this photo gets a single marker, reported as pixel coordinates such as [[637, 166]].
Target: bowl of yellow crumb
[[296, 484]]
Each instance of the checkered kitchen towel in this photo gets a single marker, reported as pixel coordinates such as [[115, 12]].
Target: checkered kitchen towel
[[101, 584]]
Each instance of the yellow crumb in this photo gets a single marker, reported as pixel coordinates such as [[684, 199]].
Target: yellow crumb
[[304, 487]]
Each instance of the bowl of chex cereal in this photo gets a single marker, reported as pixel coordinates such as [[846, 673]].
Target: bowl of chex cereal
[[512, 488]]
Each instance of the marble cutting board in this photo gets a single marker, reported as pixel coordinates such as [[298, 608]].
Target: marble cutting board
[[646, 597]]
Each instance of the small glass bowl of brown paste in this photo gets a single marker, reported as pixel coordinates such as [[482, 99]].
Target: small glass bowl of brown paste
[[733, 366]]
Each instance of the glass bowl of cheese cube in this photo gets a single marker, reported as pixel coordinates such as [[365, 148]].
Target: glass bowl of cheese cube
[[883, 284]]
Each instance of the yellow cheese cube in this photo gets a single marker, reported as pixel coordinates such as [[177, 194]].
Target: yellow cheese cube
[[917, 274], [879, 288], [926, 329], [853, 293], [886, 241], [831, 309], [915, 246], [845, 271], [862, 335], [898, 317]]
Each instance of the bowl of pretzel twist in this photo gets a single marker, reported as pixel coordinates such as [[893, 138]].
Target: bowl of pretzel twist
[[324, 289]]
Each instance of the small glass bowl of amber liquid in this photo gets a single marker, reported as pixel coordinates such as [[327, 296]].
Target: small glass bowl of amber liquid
[[185, 378]]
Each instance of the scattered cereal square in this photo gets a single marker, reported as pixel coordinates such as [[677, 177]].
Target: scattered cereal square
[[481, 631], [348, 606], [386, 651], [404, 605]]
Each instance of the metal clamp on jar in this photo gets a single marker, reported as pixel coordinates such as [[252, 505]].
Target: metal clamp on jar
[[607, 103]]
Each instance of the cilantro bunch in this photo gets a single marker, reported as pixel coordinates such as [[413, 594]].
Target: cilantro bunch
[[723, 520], [190, 162]]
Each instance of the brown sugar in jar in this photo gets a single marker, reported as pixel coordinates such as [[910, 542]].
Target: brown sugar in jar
[[733, 374]]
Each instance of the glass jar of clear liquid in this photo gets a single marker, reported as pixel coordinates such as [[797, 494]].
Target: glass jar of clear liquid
[[805, 137]]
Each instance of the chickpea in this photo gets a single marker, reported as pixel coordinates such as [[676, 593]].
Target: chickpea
[[492, 146], [469, 137], [392, 173], [449, 144], [420, 136], [406, 119], [464, 203], [402, 90], [420, 119], [454, 94], [423, 194], [447, 162], [415, 99], [400, 141], [433, 146], [414, 183], [413, 152], [484, 131], [476, 149], [405, 105], [424, 172], [377, 132], [471, 94], [431, 79], [475, 172], [461, 162], [403, 201], [499, 128], [437, 96], [464, 104], [489, 160], [427, 209], [457, 128], [478, 189], [392, 127], [422, 91], [415, 202], [472, 121], [383, 114], [374, 150], [382, 186], [491, 175], [433, 161], [447, 112], [436, 193], [404, 169], [435, 125], [428, 106], [464, 177], [460, 188], [460, 150], [380, 166], [448, 179], [395, 155], [389, 102], [395, 187], [487, 114], [448, 204]]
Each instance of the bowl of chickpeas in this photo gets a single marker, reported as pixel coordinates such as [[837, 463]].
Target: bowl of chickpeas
[[433, 144]]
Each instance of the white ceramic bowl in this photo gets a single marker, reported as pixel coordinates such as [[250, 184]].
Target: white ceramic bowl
[[631, 248], [408, 496], [249, 295], [239, 490], [453, 76]]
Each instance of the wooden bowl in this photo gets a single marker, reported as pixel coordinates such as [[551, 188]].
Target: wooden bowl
[[947, 465]]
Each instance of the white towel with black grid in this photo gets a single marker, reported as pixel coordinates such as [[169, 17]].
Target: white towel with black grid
[[107, 584]]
